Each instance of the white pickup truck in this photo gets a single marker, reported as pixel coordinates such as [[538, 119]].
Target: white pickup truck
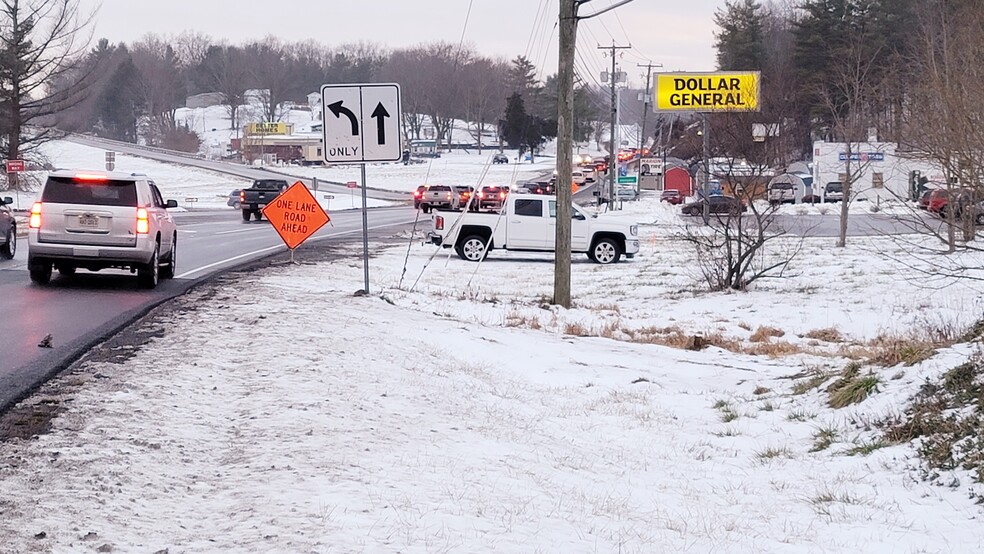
[[529, 223]]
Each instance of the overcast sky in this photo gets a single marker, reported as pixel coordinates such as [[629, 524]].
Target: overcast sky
[[678, 35]]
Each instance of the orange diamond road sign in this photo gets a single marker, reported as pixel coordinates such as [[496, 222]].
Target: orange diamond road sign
[[296, 215]]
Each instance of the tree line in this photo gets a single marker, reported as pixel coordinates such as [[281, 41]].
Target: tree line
[[52, 78]]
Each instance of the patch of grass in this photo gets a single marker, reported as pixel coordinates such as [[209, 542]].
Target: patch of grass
[[866, 448], [908, 350], [728, 415], [827, 334], [763, 334], [773, 452], [800, 415], [772, 349], [812, 382], [852, 390], [729, 431], [823, 438], [744, 326], [517, 319], [760, 390], [947, 415], [576, 329], [767, 406], [720, 404]]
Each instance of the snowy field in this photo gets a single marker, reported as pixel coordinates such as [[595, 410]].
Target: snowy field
[[455, 410]]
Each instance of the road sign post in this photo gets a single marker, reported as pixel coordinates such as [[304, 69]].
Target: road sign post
[[295, 215], [361, 124]]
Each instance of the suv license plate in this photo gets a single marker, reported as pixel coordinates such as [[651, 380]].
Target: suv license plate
[[88, 221]]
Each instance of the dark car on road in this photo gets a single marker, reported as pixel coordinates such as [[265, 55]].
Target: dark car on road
[[418, 195], [671, 196], [8, 229], [492, 197], [500, 158], [717, 204]]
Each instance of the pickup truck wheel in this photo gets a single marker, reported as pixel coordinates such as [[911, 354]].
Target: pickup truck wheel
[[246, 214], [606, 251], [472, 249]]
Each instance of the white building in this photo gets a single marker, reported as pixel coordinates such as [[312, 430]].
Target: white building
[[879, 171]]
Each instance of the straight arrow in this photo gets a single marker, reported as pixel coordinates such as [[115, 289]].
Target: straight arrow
[[338, 109], [379, 113]]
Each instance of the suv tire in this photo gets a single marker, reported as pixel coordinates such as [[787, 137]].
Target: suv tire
[[149, 275], [167, 272], [40, 272], [10, 247]]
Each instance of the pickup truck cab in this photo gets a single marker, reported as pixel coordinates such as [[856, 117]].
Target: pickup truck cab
[[529, 223], [255, 198]]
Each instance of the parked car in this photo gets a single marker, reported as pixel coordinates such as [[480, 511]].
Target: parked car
[[671, 196], [937, 201], [233, 199], [718, 204], [492, 197], [923, 202], [418, 196], [500, 158], [833, 192], [97, 220], [8, 229]]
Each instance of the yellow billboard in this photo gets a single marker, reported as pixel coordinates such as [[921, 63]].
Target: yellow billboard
[[267, 128], [723, 91]]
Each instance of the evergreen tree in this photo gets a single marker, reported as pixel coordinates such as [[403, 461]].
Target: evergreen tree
[[739, 42], [512, 127]]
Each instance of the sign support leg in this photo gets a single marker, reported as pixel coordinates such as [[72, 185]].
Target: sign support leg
[[365, 229]]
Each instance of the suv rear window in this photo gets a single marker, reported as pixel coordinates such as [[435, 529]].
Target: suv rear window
[[835, 187], [68, 190]]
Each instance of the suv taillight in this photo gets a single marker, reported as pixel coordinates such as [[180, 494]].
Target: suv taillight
[[35, 221], [439, 223], [143, 222]]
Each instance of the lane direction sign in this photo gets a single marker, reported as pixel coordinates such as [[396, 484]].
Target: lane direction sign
[[361, 123]]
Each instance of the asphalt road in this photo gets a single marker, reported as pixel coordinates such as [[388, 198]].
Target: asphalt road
[[84, 309]]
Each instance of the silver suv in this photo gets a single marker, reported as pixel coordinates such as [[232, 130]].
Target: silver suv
[[97, 220]]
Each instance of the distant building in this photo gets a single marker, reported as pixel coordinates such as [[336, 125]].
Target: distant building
[[204, 100], [878, 170]]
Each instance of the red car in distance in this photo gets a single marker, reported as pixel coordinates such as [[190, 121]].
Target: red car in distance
[[671, 196]]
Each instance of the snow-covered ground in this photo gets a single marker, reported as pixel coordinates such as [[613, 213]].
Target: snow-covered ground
[[455, 410]]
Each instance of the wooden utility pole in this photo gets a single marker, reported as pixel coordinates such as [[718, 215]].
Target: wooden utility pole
[[612, 149], [646, 97], [565, 149], [565, 144]]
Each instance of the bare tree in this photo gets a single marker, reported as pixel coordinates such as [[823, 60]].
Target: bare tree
[[848, 94], [160, 84], [271, 75], [40, 42], [228, 73], [743, 243], [946, 118], [484, 95]]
